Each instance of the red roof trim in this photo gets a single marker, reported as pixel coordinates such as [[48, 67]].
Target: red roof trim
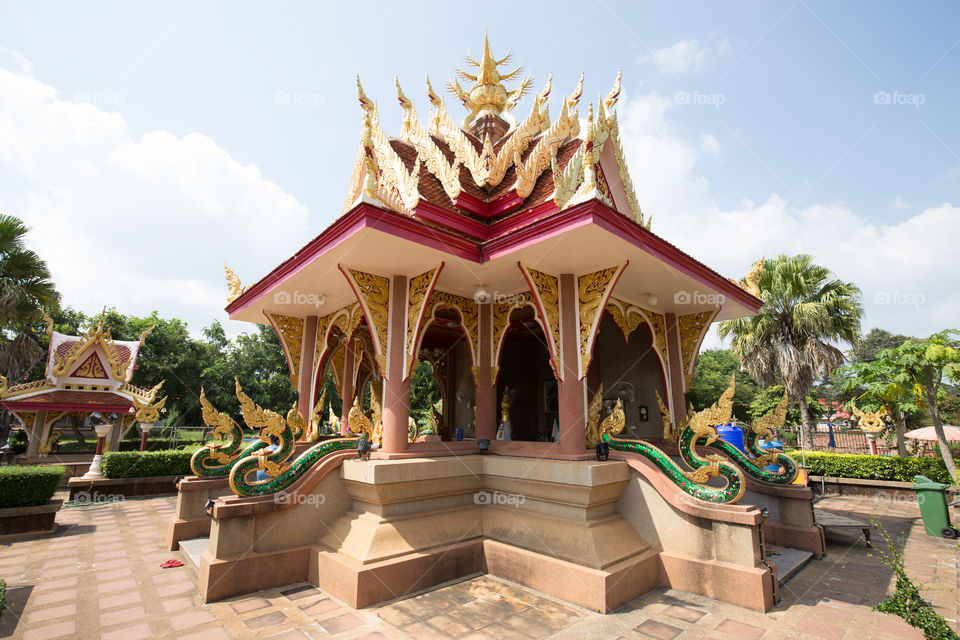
[[365, 216]]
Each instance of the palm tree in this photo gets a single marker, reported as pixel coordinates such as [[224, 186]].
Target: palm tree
[[25, 289], [805, 310]]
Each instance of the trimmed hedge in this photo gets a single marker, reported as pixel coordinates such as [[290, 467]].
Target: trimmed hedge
[[28, 486], [3, 595], [137, 464], [869, 467]]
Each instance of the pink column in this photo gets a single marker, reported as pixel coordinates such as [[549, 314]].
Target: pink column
[[346, 386], [675, 376], [486, 396], [143, 440], [305, 389], [572, 401], [396, 390]]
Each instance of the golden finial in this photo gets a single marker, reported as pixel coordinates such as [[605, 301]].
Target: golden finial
[[146, 334], [49, 322], [149, 412], [488, 95], [611, 98], [435, 99], [235, 288], [365, 102]]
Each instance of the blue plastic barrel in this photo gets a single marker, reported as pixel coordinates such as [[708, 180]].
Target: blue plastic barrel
[[767, 446], [732, 434]]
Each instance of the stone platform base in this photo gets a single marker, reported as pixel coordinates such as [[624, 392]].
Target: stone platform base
[[103, 489], [597, 534], [19, 522]]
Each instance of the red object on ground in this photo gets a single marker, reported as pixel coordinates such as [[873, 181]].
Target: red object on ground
[[170, 563]]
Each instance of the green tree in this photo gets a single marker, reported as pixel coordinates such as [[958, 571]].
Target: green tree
[[879, 382], [867, 349], [923, 365], [711, 377], [805, 310], [25, 290]]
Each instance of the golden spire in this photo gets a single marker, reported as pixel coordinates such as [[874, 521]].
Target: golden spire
[[488, 96]]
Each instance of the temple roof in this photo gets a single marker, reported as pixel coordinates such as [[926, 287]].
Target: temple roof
[[91, 369], [491, 165], [485, 194]]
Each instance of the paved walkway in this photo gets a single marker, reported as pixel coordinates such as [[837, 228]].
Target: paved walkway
[[100, 577]]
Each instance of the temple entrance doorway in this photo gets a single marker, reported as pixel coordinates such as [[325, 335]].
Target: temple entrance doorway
[[525, 369]]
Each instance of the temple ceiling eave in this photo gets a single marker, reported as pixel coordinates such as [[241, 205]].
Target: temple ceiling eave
[[579, 240]]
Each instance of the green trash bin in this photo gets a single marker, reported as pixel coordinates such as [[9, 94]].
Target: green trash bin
[[932, 498]]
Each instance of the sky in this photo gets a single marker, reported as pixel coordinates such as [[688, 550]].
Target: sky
[[145, 144]]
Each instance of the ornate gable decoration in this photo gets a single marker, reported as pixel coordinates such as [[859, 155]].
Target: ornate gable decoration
[[78, 355], [531, 147]]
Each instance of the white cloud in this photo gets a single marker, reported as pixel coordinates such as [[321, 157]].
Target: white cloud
[[138, 224], [709, 145], [899, 203], [904, 269], [682, 57]]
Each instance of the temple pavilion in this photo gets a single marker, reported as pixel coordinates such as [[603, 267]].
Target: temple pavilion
[[511, 252], [87, 377]]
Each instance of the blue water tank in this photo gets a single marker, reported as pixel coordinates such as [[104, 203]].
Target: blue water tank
[[767, 446], [732, 434]]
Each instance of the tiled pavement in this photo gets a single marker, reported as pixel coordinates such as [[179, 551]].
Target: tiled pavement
[[100, 577]]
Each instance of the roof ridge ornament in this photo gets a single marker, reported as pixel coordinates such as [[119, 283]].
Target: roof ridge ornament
[[488, 96], [427, 150]]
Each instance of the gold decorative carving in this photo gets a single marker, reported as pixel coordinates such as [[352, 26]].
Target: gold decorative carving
[[380, 173], [546, 293], [270, 424], [337, 359], [593, 289], [91, 368], [669, 435], [316, 417], [296, 422], [420, 288], [567, 125], [501, 320], [223, 428], [95, 335], [766, 425], [568, 180], [593, 418], [148, 413], [488, 95], [234, 288], [692, 328], [870, 420], [607, 121], [373, 294], [537, 122], [427, 150], [751, 282], [359, 424], [290, 332]]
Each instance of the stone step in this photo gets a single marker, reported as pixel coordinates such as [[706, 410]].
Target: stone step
[[788, 561], [193, 549]]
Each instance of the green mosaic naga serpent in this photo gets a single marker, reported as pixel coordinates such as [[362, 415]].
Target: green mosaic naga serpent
[[276, 462], [693, 482], [218, 457], [762, 427]]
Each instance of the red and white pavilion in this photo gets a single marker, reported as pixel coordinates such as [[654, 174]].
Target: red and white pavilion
[[86, 374]]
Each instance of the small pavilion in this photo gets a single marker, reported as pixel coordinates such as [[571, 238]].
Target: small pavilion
[[85, 375], [511, 253]]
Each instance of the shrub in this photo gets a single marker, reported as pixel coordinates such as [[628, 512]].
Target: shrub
[[137, 464], [28, 486], [869, 467], [3, 595]]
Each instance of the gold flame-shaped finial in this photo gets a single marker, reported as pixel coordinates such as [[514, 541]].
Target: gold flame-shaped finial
[[488, 95]]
